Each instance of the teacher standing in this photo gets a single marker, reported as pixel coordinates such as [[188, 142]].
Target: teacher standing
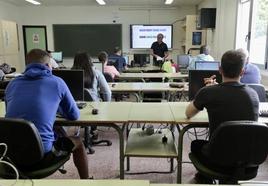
[[159, 50]]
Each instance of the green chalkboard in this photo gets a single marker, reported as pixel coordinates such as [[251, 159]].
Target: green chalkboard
[[92, 38]]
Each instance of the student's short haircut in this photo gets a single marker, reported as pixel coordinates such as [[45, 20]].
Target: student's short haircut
[[232, 62], [204, 49], [36, 56], [117, 49], [103, 56]]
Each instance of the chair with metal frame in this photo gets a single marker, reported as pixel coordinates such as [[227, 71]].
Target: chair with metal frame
[[25, 151], [89, 141], [234, 152]]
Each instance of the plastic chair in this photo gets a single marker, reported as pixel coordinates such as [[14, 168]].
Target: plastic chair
[[235, 151], [25, 151]]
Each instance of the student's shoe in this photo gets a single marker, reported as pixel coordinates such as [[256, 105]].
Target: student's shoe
[[199, 178]]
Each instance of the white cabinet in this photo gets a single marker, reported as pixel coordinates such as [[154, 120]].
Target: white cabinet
[[9, 47]]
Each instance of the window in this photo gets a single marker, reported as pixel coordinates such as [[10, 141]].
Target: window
[[252, 27], [258, 40]]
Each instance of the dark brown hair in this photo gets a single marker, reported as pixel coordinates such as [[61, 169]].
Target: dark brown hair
[[82, 61], [103, 56], [36, 56], [232, 62]]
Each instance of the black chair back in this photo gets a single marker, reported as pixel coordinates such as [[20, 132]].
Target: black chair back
[[259, 88], [239, 144], [108, 77], [87, 96], [25, 147]]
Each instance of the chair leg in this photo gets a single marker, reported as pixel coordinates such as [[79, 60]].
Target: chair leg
[[87, 141], [171, 165], [97, 142], [108, 143], [128, 163]]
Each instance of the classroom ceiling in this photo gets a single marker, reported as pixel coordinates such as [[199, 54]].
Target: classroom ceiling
[[108, 2]]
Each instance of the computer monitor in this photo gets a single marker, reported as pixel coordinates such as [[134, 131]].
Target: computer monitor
[[57, 56], [183, 61], [98, 65], [207, 65], [196, 80], [74, 79], [142, 59]]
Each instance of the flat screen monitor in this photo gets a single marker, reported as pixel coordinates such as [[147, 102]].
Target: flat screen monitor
[[142, 36], [98, 65], [74, 79], [207, 65], [183, 61], [141, 59], [57, 56], [196, 80]]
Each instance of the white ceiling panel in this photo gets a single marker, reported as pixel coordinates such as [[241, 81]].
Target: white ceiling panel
[[108, 2]]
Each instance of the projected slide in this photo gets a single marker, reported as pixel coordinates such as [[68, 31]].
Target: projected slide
[[142, 36]]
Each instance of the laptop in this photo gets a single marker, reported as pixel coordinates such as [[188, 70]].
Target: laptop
[[207, 65]]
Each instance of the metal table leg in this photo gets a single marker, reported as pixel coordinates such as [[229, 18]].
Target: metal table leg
[[180, 146]]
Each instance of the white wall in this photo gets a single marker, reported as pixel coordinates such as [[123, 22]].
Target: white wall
[[104, 15], [8, 12], [222, 38], [225, 26], [210, 32]]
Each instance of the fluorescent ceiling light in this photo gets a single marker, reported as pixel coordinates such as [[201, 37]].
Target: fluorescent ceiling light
[[33, 2], [168, 2], [101, 2]]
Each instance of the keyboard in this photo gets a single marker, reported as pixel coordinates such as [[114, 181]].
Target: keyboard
[[81, 105], [184, 71], [176, 85], [263, 113]]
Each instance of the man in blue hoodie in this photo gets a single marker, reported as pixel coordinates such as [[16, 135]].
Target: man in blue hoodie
[[37, 96]]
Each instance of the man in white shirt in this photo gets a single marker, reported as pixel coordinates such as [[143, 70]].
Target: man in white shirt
[[203, 56], [53, 63]]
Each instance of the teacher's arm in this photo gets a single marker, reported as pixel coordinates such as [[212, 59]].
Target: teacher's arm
[[166, 55], [152, 53]]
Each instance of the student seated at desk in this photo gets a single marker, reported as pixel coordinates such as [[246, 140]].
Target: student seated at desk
[[103, 58], [252, 72], [228, 101], [203, 56], [6, 69], [117, 60], [53, 63], [36, 96], [93, 79]]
